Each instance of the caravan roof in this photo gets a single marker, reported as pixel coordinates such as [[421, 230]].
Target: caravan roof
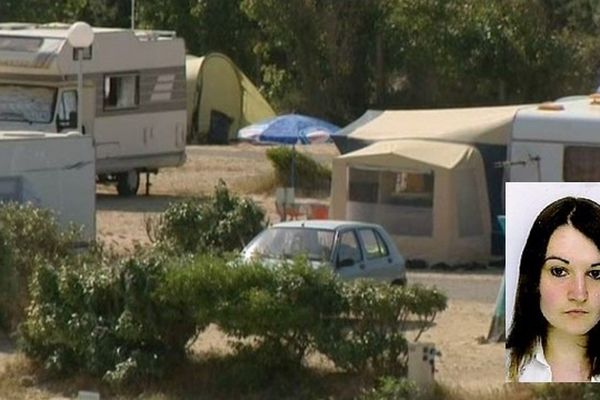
[[572, 119]]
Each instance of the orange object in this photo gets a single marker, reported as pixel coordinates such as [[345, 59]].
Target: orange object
[[319, 211]]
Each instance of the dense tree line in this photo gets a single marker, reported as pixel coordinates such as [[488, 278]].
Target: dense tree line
[[334, 59]]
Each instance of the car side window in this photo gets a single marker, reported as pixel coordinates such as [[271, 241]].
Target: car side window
[[374, 245], [349, 248]]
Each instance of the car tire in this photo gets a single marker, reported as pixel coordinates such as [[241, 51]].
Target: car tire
[[399, 282], [128, 183]]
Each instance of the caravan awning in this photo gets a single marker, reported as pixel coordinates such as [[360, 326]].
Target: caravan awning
[[488, 125], [409, 153]]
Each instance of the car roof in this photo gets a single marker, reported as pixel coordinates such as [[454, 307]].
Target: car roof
[[323, 224]]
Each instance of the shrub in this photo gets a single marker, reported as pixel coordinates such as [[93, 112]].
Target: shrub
[[281, 307], [106, 320], [390, 388], [370, 335], [220, 224], [310, 176], [29, 236]]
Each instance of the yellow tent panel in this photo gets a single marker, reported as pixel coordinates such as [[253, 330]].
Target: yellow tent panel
[[221, 99]]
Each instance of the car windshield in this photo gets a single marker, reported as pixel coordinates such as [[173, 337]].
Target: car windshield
[[22, 103], [315, 244]]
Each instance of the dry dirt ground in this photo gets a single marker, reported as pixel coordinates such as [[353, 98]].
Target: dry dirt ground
[[120, 223]]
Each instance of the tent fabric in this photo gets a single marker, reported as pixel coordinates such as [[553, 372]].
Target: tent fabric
[[399, 153], [220, 95], [486, 125], [456, 229]]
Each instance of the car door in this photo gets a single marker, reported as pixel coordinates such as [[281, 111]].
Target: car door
[[379, 263], [348, 258]]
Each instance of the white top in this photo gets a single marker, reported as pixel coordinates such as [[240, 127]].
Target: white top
[[536, 368]]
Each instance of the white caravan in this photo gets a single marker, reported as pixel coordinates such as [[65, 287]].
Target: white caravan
[[558, 141], [54, 171], [134, 99]]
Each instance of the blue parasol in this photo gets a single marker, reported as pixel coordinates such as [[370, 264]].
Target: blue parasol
[[291, 129]]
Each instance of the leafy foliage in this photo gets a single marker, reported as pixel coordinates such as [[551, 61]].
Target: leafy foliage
[[310, 176], [219, 224], [133, 319], [390, 388], [29, 236], [371, 334], [106, 320]]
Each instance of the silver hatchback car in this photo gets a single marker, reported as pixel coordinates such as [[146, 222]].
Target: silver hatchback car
[[353, 249]]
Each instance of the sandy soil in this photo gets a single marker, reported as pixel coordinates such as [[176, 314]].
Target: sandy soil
[[121, 223]]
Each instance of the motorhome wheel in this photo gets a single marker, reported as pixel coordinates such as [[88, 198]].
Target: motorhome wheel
[[128, 183]]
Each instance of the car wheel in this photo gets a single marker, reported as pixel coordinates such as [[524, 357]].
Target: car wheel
[[128, 183], [399, 282]]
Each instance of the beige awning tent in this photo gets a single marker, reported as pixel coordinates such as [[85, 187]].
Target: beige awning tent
[[488, 125], [220, 99], [446, 220], [444, 142]]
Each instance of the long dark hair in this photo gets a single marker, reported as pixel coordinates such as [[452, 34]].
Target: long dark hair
[[528, 323]]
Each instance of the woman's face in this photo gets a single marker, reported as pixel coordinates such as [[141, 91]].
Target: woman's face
[[570, 282]]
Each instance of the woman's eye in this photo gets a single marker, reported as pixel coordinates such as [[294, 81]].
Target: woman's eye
[[559, 272], [595, 274]]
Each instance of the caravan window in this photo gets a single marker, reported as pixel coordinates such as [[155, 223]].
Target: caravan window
[[581, 164], [21, 103], [121, 91]]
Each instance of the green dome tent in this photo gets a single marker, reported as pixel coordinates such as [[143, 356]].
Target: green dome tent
[[220, 99]]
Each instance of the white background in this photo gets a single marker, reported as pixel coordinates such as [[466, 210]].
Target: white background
[[524, 201]]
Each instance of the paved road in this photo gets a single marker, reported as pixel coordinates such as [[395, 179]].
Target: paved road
[[481, 288]]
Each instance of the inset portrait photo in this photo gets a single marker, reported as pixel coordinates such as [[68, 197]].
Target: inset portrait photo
[[553, 282]]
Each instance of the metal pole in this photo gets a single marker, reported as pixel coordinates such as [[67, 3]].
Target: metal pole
[[132, 14], [79, 91]]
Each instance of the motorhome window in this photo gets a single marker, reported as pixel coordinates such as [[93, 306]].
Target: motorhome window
[[87, 53], [121, 91], [24, 44], [11, 189], [21, 103], [581, 164]]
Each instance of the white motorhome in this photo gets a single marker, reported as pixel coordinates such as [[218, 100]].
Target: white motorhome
[[51, 170], [134, 99], [558, 141]]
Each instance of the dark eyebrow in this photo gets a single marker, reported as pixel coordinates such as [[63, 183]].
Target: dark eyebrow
[[567, 262], [559, 259]]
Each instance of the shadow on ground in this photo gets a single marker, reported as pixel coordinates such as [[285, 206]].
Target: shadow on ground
[[142, 204], [6, 345]]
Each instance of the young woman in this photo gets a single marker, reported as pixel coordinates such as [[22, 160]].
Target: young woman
[[555, 335]]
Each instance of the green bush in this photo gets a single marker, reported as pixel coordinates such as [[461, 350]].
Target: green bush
[[310, 176], [282, 307], [109, 321], [29, 236], [291, 309], [219, 224], [134, 319], [370, 335], [390, 388]]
